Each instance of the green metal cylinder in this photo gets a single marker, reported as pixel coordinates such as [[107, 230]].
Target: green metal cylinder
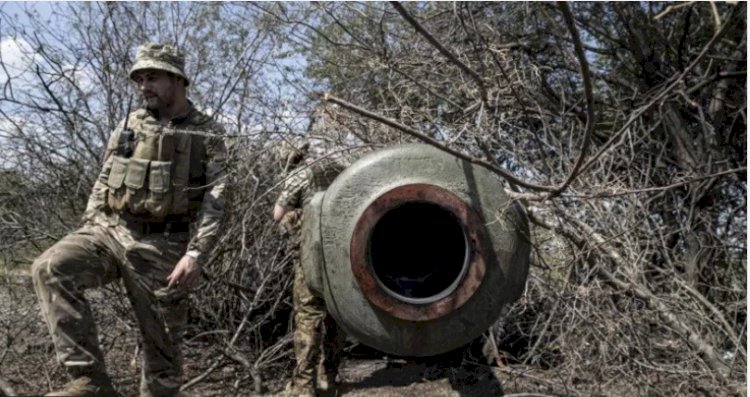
[[414, 250]]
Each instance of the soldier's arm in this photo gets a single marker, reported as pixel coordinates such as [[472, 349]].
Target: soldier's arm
[[211, 213], [97, 202], [290, 196]]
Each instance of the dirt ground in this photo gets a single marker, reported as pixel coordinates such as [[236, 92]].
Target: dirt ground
[[399, 378], [28, 366], [32, 370]]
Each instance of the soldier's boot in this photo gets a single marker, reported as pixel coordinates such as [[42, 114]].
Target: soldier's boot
[[92, 385], [297, 389], [326, 382], [326, 377], [328, 369], [330, 357]]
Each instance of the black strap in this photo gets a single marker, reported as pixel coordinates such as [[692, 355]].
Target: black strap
[[143, 224], [126, 142]]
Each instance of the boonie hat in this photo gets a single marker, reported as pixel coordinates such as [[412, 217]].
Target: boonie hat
[[161, 57]]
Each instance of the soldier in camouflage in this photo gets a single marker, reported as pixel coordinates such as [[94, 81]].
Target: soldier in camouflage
[[318, 340], [151, 218]]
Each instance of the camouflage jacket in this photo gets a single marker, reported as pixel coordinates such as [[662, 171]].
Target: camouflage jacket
[[297, 190], [308, 178], [207, 173]]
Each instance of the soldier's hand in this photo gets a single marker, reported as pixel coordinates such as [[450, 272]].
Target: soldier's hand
[[185, 274], [289, 222]]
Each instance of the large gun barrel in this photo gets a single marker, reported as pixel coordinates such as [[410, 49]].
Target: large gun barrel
[[414, 250]]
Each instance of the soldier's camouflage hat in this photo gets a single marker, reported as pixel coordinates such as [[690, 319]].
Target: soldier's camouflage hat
[[161, 57], [289, 149]]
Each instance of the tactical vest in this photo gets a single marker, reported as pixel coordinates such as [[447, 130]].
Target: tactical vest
[[152, 176]]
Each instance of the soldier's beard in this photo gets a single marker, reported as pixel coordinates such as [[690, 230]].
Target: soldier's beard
[[160, 99], [156, 103]]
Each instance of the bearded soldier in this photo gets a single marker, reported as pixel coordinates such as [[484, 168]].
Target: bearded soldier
[[151, 219], [317, 338]]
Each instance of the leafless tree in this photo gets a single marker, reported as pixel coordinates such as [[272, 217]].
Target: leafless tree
[[621, 127]]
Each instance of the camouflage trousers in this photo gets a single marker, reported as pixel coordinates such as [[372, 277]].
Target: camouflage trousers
[[318, 340], [93, 256]]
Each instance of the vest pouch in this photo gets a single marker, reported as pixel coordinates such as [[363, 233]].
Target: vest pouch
[[159, 201], [135, 180], [147, 142], [116, 192]]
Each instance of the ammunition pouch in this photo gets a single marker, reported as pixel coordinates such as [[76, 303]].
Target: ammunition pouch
[[159, 188]]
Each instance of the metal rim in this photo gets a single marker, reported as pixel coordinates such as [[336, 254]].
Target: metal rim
[[420, 309]]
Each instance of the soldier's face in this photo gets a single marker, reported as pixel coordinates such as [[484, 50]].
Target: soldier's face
[[158, 88]]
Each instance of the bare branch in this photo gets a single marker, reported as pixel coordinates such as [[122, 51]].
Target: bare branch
[[588, 92], [430, 38], [675, 82], [426, 139]]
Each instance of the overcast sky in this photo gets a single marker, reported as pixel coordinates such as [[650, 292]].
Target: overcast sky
[[18, 8]]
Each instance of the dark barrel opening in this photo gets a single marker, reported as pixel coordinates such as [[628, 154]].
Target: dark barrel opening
[[418, 252]]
